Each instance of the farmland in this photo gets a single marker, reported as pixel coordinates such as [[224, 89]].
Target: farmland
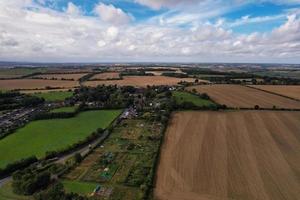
[[52, 135], [292, 91], [123, 164], [54, 96], [82, 188], [13, 84], [19, 72], [64, 109], [245, 97], [141, 81], [6, 193], [230, 155], [71, 76], [182, 97], [106, 75]]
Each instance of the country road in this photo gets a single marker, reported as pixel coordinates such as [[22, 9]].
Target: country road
[[83, 150]]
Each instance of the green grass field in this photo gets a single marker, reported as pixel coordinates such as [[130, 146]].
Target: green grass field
[[6, 193], [20, 71], [64, 109], [54, 96], [37, 137], [181, 97], [83, 188]]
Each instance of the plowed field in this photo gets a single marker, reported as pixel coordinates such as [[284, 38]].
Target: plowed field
[[35, 84], [292, 91], [245, 97], [230, 155], [141, 81]]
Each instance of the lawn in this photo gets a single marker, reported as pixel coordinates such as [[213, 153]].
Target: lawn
[[38, 137], [181, 97], [6, 193], [54, 96], [64, 109], [83, 188]]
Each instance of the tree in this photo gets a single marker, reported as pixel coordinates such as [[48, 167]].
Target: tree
[[77, 157]]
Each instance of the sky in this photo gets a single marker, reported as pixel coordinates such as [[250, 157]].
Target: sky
[[256, 31]]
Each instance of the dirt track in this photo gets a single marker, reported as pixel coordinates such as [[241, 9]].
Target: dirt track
[[245, 97], [245, 155], [292, 91]]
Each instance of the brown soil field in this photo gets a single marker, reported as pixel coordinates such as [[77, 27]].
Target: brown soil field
[[292, 91], [141, 81], [244, 97], [243, 155], [35, 84], [76, 76], [105, 76], [43, 91], [9, 76]]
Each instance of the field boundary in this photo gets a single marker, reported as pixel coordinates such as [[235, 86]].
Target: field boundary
[[150, 191], [76, 146], [272, 93]]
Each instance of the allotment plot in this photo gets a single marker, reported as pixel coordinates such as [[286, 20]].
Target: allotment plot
[[230, 155]]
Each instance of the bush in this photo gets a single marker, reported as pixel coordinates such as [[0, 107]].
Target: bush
[[78, 158], [17, 166], [29, 181]]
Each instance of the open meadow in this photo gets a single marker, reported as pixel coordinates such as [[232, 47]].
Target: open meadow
[[230, 155], [292, 91], [237, 96], [54, 95], [40, 136], [20, 84], [182, 97], [141, 81]]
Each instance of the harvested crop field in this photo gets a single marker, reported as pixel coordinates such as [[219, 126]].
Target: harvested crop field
[[292, 91], [107, 75], [13, 84], [75, 76], [245, 97], [230, 155], [141, 81]]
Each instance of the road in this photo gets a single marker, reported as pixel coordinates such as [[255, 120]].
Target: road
[[83, 150]]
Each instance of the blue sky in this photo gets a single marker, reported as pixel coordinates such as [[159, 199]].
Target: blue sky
[[150, 30], [143, 13]]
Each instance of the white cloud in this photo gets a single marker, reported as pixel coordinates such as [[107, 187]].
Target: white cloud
[[72, 9], [157, 4], [43, 34], [111, 14]]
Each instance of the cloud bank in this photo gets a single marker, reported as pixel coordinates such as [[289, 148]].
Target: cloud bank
[[32, 32]]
